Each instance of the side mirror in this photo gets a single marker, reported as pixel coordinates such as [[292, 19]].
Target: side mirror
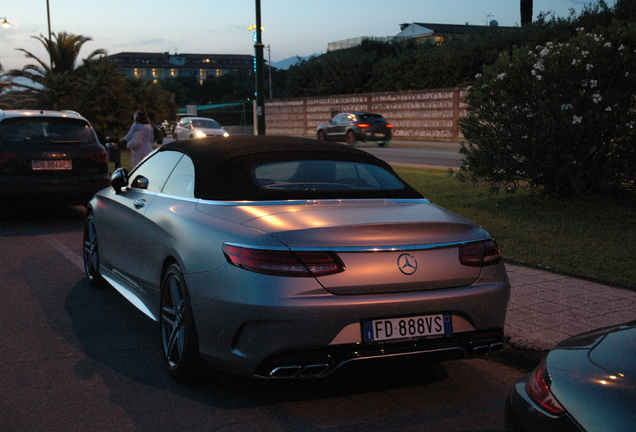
[[119, 179]]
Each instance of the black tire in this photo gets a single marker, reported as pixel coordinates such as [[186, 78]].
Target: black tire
[[384, 143], [179, 339], [175, 137], [322, 136], [91, 253], [351, 138]]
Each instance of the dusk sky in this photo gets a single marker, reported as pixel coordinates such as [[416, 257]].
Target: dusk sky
[[292, 27]]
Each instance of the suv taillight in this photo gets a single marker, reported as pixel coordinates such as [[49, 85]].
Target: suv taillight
[[8, 157], [283, 262], [96, 156], [480, 254]]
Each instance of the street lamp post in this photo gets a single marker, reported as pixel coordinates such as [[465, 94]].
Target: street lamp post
[[260, 97]]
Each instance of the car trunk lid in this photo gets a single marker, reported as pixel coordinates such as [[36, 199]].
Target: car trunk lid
[[386, 245]]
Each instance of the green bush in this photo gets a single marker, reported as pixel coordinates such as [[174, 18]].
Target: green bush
[[559, 118]]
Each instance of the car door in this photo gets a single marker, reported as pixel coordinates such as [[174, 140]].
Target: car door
[[124, 224], [168, 212], [183, 129], [335, 129]]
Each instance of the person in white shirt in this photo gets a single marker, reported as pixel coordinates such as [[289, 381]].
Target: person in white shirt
[[139, 144]]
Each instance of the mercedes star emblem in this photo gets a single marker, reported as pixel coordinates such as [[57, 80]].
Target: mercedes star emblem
[[407, 264]]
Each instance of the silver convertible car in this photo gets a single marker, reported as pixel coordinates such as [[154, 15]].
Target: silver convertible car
[[283, 257]]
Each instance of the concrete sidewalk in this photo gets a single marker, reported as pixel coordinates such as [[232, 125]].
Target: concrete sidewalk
[[546, 308]]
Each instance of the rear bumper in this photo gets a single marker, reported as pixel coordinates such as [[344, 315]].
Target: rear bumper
[[29, 191], [245, 329], [373, 136], [320, 362]]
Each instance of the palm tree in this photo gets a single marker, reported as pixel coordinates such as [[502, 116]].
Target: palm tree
[[5, 85], [54, 84], [96, 87]]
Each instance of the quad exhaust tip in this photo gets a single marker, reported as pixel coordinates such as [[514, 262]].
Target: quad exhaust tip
[[322, 369], [486, 350], [308, 371]]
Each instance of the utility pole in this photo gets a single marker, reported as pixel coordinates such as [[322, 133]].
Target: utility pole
[[260, 97]]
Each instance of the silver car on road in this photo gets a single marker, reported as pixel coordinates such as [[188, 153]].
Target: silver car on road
[[283, 257]]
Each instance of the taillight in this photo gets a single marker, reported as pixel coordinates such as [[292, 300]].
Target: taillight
[[96, 156], [283, 262], [480, 254], [363, 125], [389, 125], [538, 389], [8, 157]]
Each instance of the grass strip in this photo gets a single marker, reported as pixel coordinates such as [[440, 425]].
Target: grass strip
[[593, 237]]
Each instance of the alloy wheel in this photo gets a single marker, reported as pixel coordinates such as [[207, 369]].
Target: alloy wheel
[[178, 333], [91, 252]]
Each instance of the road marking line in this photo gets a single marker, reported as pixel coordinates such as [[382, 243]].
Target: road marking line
[[65, 251]]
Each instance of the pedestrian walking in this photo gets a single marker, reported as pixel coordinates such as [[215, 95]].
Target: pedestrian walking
[[139, 138]]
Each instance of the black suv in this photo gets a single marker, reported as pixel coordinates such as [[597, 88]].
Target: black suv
[[352, 127], [49, 158]]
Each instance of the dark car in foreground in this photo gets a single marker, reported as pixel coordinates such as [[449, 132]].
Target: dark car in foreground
[[352, 127], [586, 383], [49, 158], [282, 257]]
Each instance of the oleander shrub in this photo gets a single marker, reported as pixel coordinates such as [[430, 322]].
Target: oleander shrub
[[559, 118]]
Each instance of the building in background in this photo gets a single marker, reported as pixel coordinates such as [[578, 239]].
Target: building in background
[[350, 43], [158, 66], [421, 32]]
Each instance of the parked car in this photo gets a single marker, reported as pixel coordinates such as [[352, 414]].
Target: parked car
[[49, 158], [167, 128], [352, 127], [198, 127], [285, 257], [586, 383]]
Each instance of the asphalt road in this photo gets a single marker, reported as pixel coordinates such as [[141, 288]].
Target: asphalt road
[[424, 156], [404, 152], [77, 358]]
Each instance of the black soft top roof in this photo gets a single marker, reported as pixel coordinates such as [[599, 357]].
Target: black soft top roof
[[223, 166]]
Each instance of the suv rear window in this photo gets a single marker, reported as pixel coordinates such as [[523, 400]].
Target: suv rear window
[[371, 117], [45, 130]]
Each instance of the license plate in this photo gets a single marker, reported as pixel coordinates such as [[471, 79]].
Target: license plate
[[407, 327], [61, 164]]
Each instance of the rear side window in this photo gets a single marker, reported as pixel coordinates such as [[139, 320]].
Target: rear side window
[[324, 175], [46, 130], [152, 174], [181, 180]]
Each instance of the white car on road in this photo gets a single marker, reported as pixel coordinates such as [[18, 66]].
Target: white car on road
[[198, 127]]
